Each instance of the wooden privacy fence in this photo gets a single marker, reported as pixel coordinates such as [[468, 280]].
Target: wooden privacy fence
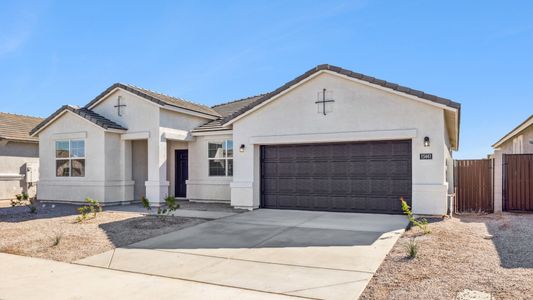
[[473, 185], [518, 182]]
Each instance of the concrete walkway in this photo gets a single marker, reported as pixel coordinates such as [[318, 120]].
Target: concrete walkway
[[319, 255], [29, 278]]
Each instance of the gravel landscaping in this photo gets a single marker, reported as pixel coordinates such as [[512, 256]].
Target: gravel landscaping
[[483, 253], [24, 233]]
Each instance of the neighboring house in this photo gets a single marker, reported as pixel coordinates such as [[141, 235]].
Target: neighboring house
[[331, 139], [517, 141], [19, 155]]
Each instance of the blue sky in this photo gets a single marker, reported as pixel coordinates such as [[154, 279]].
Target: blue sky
[[478, 53]]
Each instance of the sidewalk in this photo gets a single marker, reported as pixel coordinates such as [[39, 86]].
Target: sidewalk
[[31, 278]]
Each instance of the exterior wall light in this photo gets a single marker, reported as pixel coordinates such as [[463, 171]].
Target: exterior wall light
[[426, 141], [241, 149]]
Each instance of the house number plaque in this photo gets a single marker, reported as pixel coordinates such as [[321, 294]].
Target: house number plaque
[[426, 155]]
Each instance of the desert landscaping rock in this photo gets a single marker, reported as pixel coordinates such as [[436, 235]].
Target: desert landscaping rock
[[456, 256], [28, 234], [473, 295]]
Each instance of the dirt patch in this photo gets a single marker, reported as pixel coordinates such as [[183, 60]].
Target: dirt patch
[[54, 234], [487, 253]]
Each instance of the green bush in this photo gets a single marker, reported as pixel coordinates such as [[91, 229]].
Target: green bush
[[411, 248], [422, 223], [93, 207], [146, 204], [171, 205]]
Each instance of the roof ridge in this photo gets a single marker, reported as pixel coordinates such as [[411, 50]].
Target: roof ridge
[[163, 94], [20, 115], [242, 99]]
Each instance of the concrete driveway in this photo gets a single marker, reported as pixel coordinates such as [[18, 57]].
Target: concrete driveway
[[298, 253]]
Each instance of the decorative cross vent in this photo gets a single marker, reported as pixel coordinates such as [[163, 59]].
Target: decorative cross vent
[[119, 106], [325, 101]]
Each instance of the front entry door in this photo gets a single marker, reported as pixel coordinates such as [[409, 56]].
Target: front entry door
[[182, 173]]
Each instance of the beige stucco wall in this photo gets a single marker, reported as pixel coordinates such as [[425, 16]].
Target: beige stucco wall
[[111, 171], [14, 156], [72, 189], [507, 147], [200, 186], [360, 112], [139, 156]]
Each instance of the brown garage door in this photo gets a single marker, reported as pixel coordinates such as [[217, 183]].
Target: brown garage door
[[352, 177]]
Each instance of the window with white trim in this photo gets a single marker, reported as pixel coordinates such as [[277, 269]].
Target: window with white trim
[[220, 158], [70, 158]]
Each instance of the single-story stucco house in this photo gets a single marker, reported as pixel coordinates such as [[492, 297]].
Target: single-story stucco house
[[331, 139], [19, 155]]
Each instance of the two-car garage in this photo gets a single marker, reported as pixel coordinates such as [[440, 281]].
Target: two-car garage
[[352, 177]]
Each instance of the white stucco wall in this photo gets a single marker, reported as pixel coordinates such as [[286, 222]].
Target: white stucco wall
[[360, 112], [13, 159], [72, 189], [111, 174], [201, 186]]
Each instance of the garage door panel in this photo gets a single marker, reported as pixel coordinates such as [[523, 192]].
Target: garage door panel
[[358, 167], [357, 177]]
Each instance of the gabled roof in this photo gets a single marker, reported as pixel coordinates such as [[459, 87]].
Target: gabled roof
[[359, 76], [158, 98], [528, 122], [17, 127], [85, 113], [225, 110]]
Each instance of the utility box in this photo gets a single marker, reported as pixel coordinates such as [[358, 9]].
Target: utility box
[[32, 172]]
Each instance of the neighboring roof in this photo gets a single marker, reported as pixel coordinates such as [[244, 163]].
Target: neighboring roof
[[528, 122], [85, 113], [225, 110], [17, 127], [325, 67], [157, 98]]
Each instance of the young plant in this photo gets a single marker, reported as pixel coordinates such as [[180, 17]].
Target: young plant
[[422, 223], [21, 200], [33, 208], [57, 239], [170, 206], [93, 207], [411, 248], [146, 204]]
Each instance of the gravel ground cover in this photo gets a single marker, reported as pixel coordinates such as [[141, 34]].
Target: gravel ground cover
[[487, 253], [24, 233]]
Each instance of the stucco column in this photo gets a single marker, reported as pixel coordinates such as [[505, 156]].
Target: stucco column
[[498, 181], [157, 184]]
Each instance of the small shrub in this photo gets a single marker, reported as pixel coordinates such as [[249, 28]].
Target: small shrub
[[33, 208], [57, 239], [93, 207], [170, 206], [146, 203], [422, 223], [21, 200], [411, 248]]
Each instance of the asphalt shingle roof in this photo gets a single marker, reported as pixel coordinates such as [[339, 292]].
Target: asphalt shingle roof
[[84, 113], [348, 73], [157, 98], [224, 110], [17, 127]]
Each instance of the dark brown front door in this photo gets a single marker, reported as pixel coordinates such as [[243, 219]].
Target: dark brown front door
[[351, 177], [182, 173]]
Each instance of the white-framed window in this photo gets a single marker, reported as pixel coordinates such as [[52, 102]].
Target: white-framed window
[[70, 158], [220, 158], [518, 145]]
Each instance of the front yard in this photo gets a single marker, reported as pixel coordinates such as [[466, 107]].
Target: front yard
[[53, 232], [487, 253]]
